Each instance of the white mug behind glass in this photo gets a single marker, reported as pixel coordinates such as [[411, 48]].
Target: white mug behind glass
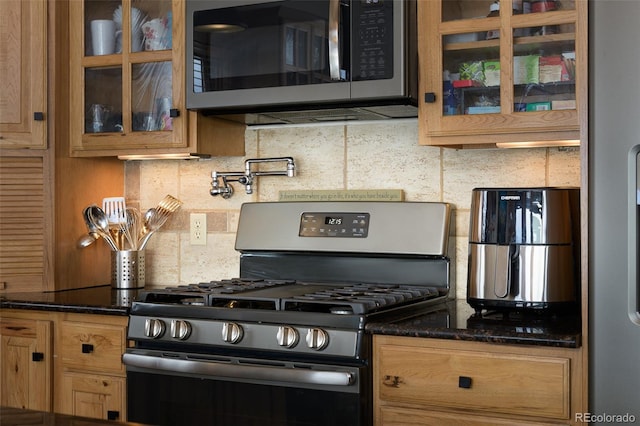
[[103, 37]]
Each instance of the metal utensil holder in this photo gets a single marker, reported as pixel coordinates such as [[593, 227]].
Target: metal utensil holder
[[127, 269]]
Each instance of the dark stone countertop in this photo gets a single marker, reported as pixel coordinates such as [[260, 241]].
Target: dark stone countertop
[[90, 300], [456, 320], [19, 417], [453, 320]]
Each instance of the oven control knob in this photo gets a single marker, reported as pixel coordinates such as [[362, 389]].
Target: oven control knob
[[232, 332], [180, 329], [154, 328], [317, 339], [287, 336]]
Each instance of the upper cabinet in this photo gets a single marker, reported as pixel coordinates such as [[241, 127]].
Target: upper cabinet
[[23, 74], [127, 81], [507, 71]]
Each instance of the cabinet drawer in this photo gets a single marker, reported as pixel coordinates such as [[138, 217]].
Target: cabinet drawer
[[390, 416], [492, 382], [92, 346]]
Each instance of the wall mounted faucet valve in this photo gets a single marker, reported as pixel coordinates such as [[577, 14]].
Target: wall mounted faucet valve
[[220, 180]]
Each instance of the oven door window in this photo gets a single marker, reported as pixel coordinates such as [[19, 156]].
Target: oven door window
[[269, 44], [177, 400]]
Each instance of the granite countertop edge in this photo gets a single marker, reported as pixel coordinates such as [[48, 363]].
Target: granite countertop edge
[[489, 336], [73, 308], [103, 300]]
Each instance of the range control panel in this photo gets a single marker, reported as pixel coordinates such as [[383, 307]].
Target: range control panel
[[342, 225]]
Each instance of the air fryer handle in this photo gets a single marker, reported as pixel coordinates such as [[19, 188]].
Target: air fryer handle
[[504, 260]]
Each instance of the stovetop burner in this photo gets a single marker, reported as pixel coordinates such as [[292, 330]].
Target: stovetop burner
[[290, 295]]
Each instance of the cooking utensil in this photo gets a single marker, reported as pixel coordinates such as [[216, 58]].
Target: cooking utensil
[[98, 218], [131, 227], [86, 240], [153, 222], [156, 217], [115, 209]]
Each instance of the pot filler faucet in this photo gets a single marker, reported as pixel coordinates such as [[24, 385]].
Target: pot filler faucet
[[247, 177]]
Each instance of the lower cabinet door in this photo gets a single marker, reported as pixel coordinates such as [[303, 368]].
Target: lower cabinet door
[[25, 363], [95, 396]]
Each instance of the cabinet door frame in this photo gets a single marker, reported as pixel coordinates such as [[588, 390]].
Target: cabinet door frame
[[508, 126], [26, 126], [84, 144]]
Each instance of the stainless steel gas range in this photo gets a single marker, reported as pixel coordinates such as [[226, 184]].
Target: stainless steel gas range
[[284, 344]]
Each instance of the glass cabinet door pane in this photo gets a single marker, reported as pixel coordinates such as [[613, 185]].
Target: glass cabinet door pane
[[102, 33], [103, 100], [151, 25], [453, 10], [544, 68], [151, 96], [471, 75]]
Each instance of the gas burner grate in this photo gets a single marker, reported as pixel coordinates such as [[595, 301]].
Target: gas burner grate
[[359, 298], [216, 293]]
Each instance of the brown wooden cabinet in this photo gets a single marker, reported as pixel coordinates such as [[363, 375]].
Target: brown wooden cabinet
[[131, 100], [92, 376], [26, 360], [43, 191], [23, 74], [66, 362], [434, 381], [511, 78]]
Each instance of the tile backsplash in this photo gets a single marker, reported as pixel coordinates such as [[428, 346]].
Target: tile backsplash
[[379, 155]]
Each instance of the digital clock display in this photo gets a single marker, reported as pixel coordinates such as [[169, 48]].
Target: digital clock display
[[334, 224], [333, 220]]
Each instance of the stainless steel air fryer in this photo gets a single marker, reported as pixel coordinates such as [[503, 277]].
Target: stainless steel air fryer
[[524, 248]]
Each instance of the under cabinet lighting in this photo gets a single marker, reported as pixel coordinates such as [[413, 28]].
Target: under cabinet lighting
[[539, 144], [174, 156]]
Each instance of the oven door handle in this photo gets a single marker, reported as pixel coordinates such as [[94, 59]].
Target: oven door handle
[[253, 372]]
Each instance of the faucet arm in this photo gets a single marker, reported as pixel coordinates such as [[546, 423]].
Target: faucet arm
[[247, 176]]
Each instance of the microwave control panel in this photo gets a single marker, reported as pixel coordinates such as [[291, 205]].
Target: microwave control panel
[[373, 39]]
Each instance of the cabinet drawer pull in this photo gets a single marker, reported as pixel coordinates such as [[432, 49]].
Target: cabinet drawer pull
[[37, 356], [464, 382], [113, 415], [392, 381], [87, 348]]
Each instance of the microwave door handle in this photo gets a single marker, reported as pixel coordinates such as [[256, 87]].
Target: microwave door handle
[[334, 39]]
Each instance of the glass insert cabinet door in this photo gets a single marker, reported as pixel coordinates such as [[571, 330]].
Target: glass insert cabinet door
[[534, 39], [127, 68]]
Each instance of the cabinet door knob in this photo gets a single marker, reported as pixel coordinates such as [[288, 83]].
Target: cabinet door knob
[[392, 381], [38, 116], [464, 382], [429, 97], [174, 112], [113, 415], [87, 348], [37, 356]]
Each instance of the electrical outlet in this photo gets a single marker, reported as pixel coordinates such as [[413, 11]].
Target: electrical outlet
[[198, 229]]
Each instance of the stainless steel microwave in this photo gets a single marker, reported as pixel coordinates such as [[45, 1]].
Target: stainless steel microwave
[[287, 61]]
